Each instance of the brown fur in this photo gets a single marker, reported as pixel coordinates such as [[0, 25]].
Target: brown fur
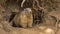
[[24, 18]]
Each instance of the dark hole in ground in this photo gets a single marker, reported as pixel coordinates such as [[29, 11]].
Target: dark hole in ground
[[12, 16], [11, 19]]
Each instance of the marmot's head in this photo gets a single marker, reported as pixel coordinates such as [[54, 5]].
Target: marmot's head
[[28, 10]]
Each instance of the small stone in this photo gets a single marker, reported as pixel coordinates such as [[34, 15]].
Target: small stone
[[49, 31]]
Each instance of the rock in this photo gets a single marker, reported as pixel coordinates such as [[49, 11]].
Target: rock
[[49, 31]]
